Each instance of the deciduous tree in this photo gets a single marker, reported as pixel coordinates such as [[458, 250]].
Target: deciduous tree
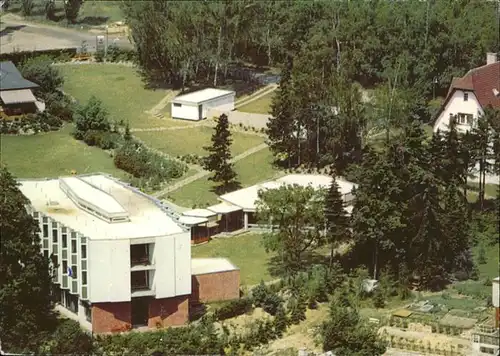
[[296, 214]]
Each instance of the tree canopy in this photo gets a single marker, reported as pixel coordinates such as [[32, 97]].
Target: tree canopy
[[25, 278]]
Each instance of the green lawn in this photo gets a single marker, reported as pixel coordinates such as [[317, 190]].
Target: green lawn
[[252, 260], [251, 170], [53, 154], [120, 88], [261, 105], [191, 140]]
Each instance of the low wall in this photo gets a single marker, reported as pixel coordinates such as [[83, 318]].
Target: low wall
[[213, 287]]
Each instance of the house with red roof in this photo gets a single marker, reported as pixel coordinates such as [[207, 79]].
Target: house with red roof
[[469, 95]]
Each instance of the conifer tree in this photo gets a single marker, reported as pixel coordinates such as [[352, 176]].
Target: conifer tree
[[337, 220], [219, 159], [280, 127], [25, 278], [127, 136]]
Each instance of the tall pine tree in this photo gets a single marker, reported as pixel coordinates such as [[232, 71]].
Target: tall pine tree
[[337, 220], [25, 279], [219, 159]]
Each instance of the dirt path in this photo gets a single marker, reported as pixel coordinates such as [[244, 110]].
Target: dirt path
[[204, 173], [155, 110]]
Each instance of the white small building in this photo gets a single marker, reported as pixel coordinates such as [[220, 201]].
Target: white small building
[[237, 210], [197, 105], [469, 95]]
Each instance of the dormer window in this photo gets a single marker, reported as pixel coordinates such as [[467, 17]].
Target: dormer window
[[466, 96]]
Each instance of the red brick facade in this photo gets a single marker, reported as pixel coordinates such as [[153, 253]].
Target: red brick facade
[[212, 287], [117, 317], [111, 317], [169, 311]]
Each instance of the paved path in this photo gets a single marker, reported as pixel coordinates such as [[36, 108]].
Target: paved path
[[17, 34], [204, 173]]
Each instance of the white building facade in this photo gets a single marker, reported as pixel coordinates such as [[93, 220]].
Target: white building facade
[[197, 106], [121, 258]]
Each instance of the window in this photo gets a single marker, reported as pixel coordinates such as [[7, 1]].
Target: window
[[46, 253], [65, 267], [464, 119], [73, 246], [74, 272], [45, 220], [54, 225], [54, 236], [64, 240], [177, 105], [84, 277], [45, 230], [84, 251], [487, 350], [139, 254], [35, 215], [139, 280], [466, 96]]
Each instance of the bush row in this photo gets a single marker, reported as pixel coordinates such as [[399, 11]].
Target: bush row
[[102, 139], [31, 124], [192, 159], [116, 54], [58, 55], [140, 162]]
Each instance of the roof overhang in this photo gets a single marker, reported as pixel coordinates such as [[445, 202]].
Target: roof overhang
[[224, 208], [17, 96]]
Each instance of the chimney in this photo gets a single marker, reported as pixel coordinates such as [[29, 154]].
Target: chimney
[[491, 58]]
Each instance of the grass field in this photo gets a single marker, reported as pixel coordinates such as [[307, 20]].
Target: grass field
[[191, 140], [251, 260], [259, 106], [120, 89], [53, 154], [251, 170]]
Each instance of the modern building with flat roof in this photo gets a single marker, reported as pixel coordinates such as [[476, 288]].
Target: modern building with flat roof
[[196, 106], [123, 258], [237, 209]]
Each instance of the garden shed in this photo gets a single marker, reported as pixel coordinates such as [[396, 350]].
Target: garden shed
[[196, 106]]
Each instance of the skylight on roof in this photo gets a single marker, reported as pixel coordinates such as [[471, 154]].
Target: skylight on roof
[[93, 200]]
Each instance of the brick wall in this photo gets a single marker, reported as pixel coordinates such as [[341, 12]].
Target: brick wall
[[111, 317], [213, 287], [169, 311]]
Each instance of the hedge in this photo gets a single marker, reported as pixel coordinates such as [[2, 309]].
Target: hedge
[[233, 308], [30, 124], [57, 54]]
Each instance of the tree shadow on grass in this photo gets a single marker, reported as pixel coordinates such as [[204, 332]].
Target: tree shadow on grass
[[220, 190], [94, 20], [276, 268], [11, 29]]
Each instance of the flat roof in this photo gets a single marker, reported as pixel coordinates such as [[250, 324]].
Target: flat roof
[[211, 265], [247, 197], [145, 217], [199, 213], [223, 208], [17, 96], [191, 220], [203, 95]]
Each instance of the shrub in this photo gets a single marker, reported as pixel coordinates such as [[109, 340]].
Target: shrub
[[271, 303], [137, 160], [91, 116], [233, 308], [104, 140], [99, 56], [68, 339], [259, 294], [481, 257], [378, 298], [60, 106], [297, 308], [280, 321]]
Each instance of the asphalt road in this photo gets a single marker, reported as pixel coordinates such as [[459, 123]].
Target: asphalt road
[[18, 35]]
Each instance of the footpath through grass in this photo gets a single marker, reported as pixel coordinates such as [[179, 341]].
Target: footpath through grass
[[191, 140], [120, 88], [244, 251], [53, 154], [251, 170]]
